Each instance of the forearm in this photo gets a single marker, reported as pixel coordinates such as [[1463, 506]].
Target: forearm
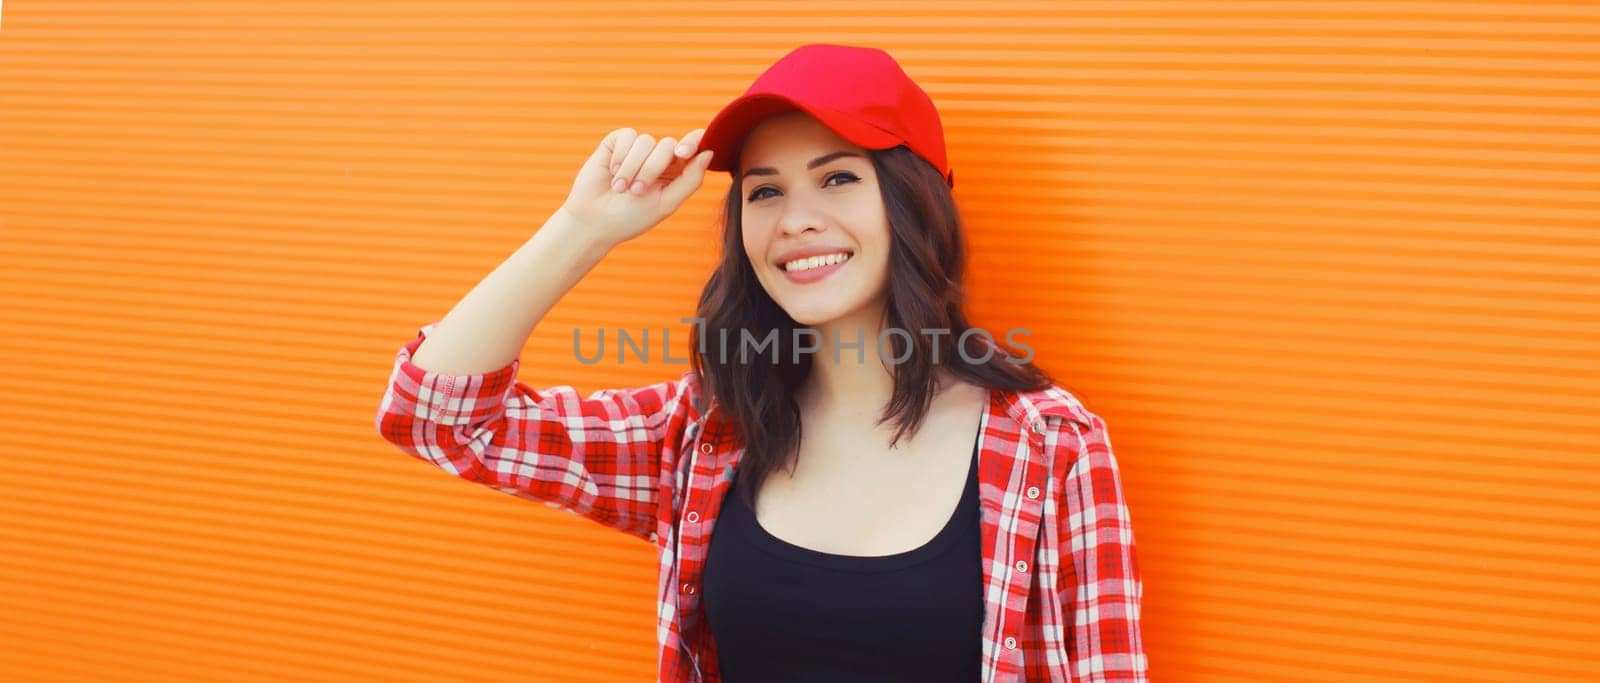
[[487, 328]]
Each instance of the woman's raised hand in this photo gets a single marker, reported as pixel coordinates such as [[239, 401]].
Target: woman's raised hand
[[633, 181]]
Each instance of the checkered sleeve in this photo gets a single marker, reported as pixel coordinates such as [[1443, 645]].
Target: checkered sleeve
[[1103, 600], [598, 456]]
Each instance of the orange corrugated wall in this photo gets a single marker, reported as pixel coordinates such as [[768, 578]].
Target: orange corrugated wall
[[1331, 272]]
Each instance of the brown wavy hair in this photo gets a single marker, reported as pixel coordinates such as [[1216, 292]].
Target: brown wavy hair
[[927, 258]]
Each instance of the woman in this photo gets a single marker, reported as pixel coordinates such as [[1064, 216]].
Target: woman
[[912, 502]]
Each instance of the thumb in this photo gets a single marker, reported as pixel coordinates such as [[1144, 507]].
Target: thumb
[[694, 173]]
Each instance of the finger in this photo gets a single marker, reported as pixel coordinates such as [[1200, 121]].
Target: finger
[[631, 162], [654, 165], [600, 157], [694, 173], [617, 145], [690, 143]]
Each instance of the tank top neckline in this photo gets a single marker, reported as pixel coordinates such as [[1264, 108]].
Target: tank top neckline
[[965, 514]]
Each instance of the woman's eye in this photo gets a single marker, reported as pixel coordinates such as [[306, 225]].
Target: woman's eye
[[849, 177]]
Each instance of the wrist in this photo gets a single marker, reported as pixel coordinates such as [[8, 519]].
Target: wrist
[[573, 232]]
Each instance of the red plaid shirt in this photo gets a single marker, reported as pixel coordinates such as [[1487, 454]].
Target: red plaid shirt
[[1060, 573]]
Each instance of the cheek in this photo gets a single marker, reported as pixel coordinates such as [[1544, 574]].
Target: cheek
[[754, 246], [874, 232], [881, 244], [873, 218]]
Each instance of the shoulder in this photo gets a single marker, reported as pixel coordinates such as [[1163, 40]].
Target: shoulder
[[1052, 404], [1074, 436]]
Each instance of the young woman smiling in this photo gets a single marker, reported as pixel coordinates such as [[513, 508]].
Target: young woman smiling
[[902, 501]]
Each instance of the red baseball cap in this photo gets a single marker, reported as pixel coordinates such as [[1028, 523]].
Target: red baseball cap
[[860, 93]]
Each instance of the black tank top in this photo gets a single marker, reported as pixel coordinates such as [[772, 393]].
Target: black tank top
[[781, 613]]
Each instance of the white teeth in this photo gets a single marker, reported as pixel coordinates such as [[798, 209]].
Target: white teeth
[[815, 262]]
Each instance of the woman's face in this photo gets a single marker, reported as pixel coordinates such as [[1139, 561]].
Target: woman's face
[[828, 215]]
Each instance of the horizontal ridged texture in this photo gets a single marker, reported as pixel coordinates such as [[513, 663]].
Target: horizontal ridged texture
[[1331, 272]]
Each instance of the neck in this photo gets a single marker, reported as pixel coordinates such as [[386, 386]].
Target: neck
[[850, 374]]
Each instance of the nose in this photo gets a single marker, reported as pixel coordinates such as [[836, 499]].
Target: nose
[[799, 216]]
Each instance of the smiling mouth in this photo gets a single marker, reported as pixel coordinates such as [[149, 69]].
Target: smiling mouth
[[813, 262]]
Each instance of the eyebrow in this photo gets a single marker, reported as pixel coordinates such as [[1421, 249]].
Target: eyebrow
[[768, 170]]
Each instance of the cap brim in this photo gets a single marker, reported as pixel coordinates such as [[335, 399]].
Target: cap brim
[[726, 133]]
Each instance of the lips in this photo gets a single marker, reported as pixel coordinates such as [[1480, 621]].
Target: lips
[[806, 252], [810, 275]]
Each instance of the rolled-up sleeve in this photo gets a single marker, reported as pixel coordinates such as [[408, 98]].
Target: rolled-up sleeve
[[442, 399], [598, 456]]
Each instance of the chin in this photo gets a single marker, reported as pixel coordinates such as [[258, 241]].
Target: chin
[[814, 313], [811, 317]]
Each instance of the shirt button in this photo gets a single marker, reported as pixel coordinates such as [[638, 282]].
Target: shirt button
[[1011, 643], [688, 589], [1038, 427], [1022, 566], [693, 517], [705, 448], [1033, 492]]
